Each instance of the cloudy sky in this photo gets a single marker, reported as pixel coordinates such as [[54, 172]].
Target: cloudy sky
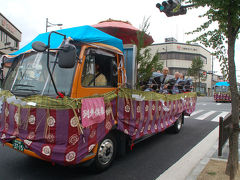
[[29, 16]]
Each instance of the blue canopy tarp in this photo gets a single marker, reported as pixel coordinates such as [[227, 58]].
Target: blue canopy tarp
[[222, 84], [87, 34]]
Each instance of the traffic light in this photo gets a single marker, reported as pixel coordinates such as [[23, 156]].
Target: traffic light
[[204, 73], [172, 8]]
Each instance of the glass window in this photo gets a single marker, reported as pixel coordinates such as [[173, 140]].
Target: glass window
[[182, 56], [30, 76], [100, 69]]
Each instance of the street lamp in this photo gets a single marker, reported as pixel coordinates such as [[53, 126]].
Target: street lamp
[[48, 24]]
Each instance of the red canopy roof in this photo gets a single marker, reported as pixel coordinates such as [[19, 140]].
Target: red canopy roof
[[122, 30]]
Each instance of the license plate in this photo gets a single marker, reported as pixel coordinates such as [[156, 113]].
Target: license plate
[[18, 145]]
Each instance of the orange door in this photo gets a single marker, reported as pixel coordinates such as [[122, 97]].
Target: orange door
[[98, 73]]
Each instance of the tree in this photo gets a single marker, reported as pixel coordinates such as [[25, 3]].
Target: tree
[[195, 70], [146, 62], [226, 13]]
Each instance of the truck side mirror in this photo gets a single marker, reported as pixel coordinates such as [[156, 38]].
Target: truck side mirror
[[39, 46], [67, 56]]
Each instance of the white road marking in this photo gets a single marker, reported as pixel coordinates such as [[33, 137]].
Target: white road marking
[[204, 104], [194, 113], [219, 104], [223, 114], [204, 116]]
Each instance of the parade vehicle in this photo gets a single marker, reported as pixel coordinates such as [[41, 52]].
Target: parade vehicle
[[57, 105], [222, 92]]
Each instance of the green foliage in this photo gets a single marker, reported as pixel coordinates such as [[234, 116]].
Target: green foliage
[[219, 12], [226, 13], [196, 66], [146, 62]]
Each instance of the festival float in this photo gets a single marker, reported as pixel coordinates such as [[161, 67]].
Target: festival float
[[222, 92], [52, 107]]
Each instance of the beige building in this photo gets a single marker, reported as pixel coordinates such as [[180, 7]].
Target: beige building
[[10, 36], [178, 57]]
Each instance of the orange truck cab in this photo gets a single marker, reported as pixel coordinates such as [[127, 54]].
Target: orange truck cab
[[63, 100]]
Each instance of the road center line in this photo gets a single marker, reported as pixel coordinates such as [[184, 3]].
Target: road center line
[[223, 114], [204, 116]]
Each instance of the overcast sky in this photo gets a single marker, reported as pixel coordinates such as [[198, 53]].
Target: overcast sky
[[29, 16]]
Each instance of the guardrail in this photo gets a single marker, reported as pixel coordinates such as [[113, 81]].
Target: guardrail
[[225, 131]]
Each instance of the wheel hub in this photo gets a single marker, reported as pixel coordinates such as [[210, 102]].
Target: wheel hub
[[105, 151]]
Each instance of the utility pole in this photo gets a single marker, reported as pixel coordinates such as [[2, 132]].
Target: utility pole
[[48, 24]]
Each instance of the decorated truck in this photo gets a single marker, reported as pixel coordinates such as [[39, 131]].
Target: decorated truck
[[222, 92], [57, 105]]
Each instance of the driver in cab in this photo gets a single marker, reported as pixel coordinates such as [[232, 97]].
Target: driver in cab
[[98, 80]]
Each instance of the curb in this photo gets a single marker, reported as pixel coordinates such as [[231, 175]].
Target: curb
[[192, 163]]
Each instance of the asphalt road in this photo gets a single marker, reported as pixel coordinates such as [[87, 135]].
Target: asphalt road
[[146, 161]]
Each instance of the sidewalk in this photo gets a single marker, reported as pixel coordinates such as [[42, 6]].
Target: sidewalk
[[212, 156], [190, 166]]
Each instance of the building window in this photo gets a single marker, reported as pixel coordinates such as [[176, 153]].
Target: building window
[[181, 56]]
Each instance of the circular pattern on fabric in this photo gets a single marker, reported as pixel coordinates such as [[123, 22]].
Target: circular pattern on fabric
[[50, 138], [27, 142], [149, 127], [146, 108], [73, 139], [108, 111], [70, 156], [155, 126], [46, 150], [93, 133], [32, 119], [166, 123], [91, 147], [6, 112], [161, 125], [6, 127], [127, 108], [74, 122], [135, 132], [3, 136], [31, 135], [125, 131], [51, 121], [153, 107], [138, 109], [16, 117]]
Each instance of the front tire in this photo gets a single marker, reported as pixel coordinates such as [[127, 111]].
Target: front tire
[[106, 153]]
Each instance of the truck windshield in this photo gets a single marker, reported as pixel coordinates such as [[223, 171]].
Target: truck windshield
[[30, 76], [221, 89]]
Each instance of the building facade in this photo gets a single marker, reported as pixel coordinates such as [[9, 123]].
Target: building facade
[[178, 58], [10, 36]]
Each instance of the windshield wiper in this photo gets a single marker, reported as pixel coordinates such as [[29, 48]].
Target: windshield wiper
[[24, 85], [33, 90]]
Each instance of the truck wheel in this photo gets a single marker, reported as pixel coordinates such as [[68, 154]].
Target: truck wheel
[[177, 126], [106, 153]]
